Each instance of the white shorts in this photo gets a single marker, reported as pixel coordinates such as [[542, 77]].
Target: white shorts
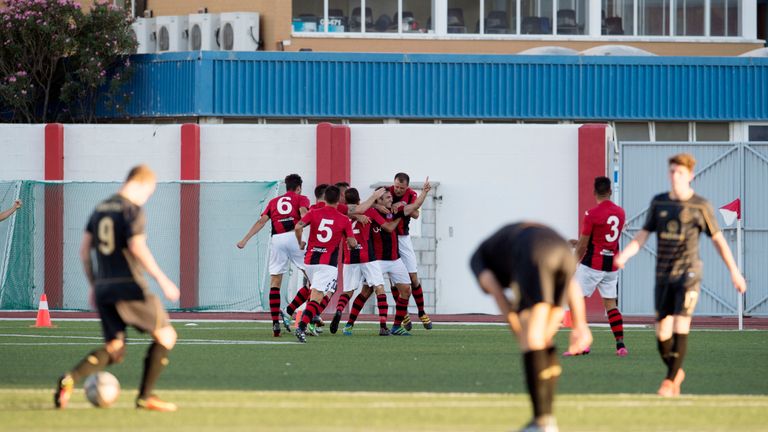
[[284, 248], [395, 271], [606, 282], [356, 274], [407, 253], [323, 277]]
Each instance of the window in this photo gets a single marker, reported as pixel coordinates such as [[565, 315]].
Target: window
[[689, 17], [758, 133], [307, 15], [362, 16], [724, 17], [536, 16], [500, 17], [383, 14], [671, 131], [632, 132], [417, 16], [653, 17], [618, 17], [713, 132], [571, 17], [463, 16]]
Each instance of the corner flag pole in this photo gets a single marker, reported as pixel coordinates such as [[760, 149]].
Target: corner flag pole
[[739, 264]]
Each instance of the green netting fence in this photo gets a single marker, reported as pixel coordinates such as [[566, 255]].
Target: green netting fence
[[228, 279]]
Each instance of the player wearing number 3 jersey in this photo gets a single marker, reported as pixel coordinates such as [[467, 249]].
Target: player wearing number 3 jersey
[[284, 212], [597, 246]]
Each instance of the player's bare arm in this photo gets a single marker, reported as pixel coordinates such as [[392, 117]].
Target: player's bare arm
[[491, 285], [137, 245], [352, 242], [253, 231], [414, 206], [299, 230], [361, 208], [6, 214], [581, 246], [391, 225], [725, 253], [303, 211], [581, 336], [632, 248]]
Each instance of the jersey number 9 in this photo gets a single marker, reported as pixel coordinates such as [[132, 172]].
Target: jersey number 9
[[106, 236]]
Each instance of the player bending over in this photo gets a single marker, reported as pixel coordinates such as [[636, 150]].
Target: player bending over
[[116, 233], [528, 269], [284, 212], [678, 217], [327, 227], [596, 248]]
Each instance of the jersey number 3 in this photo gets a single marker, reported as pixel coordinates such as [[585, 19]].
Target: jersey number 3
[[106, 236], [613, 221]]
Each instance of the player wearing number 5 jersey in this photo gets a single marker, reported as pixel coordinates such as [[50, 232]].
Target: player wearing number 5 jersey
[[284, 212], [327, 227], [597, 246]]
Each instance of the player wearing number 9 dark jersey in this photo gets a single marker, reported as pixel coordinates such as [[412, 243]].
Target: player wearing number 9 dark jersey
[[284, 212], [597, 246], [115, 232]]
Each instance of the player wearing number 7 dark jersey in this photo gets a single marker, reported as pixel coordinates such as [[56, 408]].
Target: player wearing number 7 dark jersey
[[285, 212], [327, 227], [597, 246]]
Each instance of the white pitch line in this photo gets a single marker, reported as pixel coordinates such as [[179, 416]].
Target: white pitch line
[[132, 341]]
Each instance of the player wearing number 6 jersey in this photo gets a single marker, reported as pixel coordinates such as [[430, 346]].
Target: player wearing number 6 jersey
[[598, 244], [327, 227], [284, 212]]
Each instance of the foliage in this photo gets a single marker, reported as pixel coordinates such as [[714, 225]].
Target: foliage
[[54, 59]]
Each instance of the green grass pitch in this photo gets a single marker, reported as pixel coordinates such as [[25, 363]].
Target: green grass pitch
[[236, 376]]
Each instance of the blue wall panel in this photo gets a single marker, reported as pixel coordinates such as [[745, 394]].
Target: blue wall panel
[[272, 84]]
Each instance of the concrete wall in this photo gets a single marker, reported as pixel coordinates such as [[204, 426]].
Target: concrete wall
[[489, 175], [23, 151]]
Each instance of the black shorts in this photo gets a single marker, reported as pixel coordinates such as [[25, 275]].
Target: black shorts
[[145, 315], [543, 277], [677, 296]]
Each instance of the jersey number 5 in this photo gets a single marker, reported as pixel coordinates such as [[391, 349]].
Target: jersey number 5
[[106, 236], [613, 221], [324, 231]]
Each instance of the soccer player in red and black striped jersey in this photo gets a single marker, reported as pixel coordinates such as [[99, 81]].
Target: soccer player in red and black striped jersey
[[387, 252], [597, 246], [284, 212], [679, 217], [403, 195], [360, 265], [327, 228]]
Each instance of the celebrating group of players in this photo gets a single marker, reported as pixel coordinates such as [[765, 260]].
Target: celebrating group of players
[[369, 238]]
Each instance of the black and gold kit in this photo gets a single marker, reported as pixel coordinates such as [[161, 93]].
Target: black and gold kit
[[122, 292], [534, 261], [677, 225]]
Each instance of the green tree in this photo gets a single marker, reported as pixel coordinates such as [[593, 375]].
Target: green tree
[[56, 60]]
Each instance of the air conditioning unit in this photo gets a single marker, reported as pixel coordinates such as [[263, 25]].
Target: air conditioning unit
[[202, 32], [144, 31], [172, 33], [239, 31]]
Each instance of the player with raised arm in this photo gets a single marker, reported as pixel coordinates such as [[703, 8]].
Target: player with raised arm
[[327, 227], [360, 264], [596, 248], [678, 218], [118, 289], [284, 211], [528, 269], [405, 197], [7, 213]]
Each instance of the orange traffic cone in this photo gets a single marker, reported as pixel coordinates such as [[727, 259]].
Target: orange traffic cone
[[567, 323], [43, 316]]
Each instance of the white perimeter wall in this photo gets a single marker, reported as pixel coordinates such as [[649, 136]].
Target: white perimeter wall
[[22, 152], [489, 175]]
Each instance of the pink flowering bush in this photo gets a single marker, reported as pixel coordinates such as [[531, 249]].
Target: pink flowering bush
[[55, 59]]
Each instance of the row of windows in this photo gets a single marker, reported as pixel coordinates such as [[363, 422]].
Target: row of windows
[[516, 17]]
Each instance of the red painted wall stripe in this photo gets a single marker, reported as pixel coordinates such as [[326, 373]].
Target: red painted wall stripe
[[189, 217], [592, 163], [54, 216]]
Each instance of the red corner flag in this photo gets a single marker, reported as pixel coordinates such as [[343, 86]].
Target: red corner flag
[[731, 211]]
